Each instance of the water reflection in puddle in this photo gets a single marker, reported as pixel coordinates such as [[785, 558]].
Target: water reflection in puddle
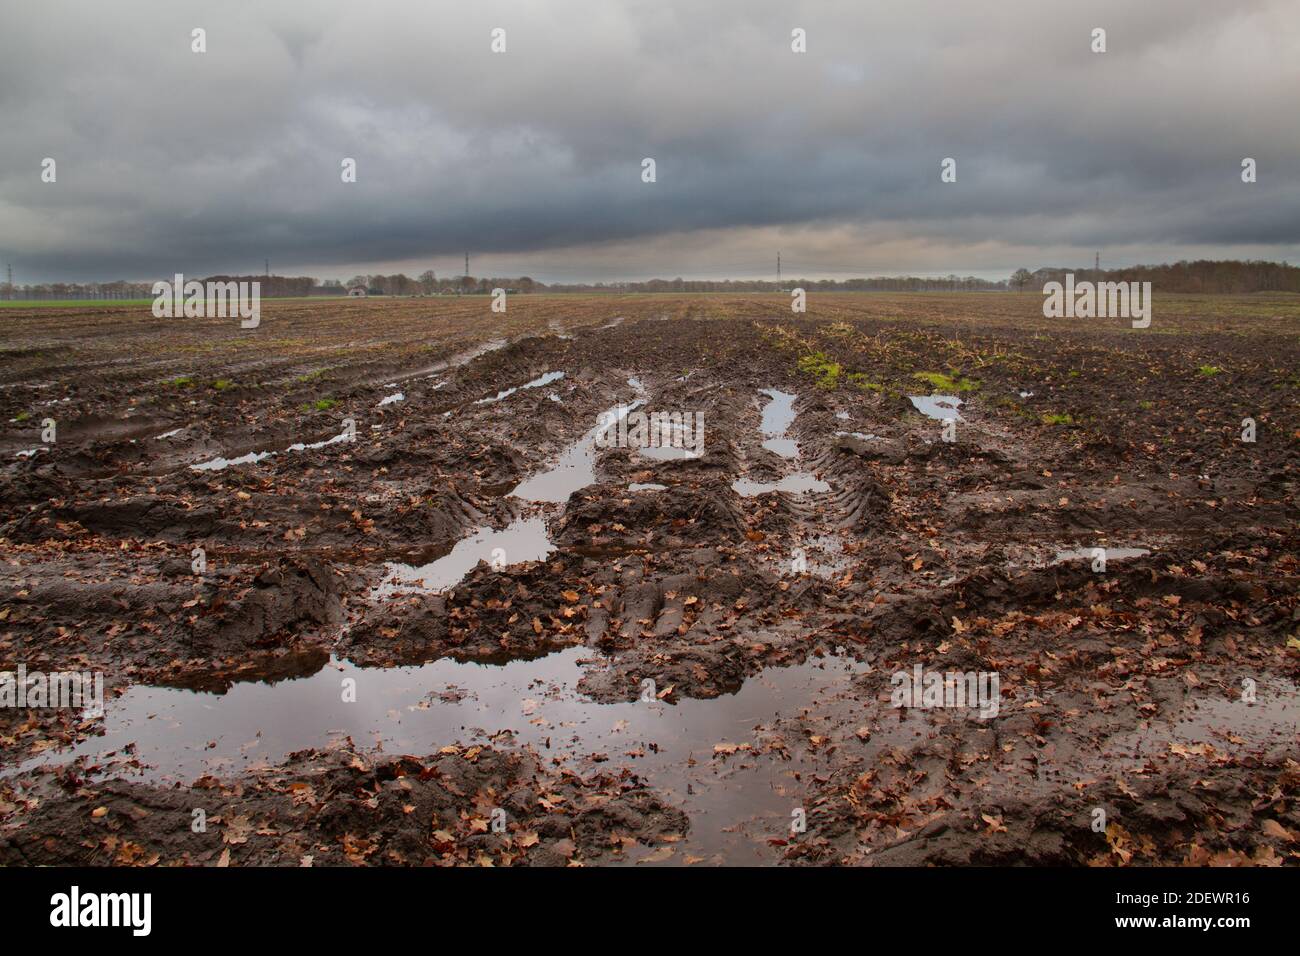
[[797, 484], [457, 360], [1111, 554], [778, 415], [942, 407], [1267, 726], [541, 380], [220, 464], [736, 803], [524, 539], [576, 467], [676, 441]]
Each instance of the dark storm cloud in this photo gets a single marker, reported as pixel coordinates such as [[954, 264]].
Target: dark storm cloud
[[168, 160]]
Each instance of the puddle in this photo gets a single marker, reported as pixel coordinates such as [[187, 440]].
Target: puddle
[[648, 486], [541, 380], [778, 415], [220, 464], [862, 436], [576, 467], [171, 434], [390, 399], [797, 484], [524, 539], [1112, 554], [736, 803], [942, 407], [614, 323], [676, 442], [842, 416], [1227, 725], [825, 556], [457, 360]]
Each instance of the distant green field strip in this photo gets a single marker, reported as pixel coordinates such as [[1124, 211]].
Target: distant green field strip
[[111, 303]]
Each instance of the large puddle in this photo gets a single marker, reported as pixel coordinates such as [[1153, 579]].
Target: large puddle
[[737, 802]]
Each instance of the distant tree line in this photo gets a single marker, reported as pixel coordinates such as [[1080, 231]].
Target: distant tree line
[[272, 286], [429, 284], [949, 283], [1204, 275]]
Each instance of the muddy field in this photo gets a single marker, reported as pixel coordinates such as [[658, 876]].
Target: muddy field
[[366, 585]]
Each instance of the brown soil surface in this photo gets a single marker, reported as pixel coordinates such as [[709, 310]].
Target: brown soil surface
[[668, 681]]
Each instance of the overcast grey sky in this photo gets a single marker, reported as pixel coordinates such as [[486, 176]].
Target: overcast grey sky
[[172, 161]]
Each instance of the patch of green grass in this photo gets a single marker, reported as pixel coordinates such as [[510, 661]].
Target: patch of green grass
[[860, 381], [222, 384], [65, 303], [320, 405], [946, 383], [1058, 419], [184, 381], [22, 416], [1146, 406], [310, 376], [1209, 371], [826, 374]]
